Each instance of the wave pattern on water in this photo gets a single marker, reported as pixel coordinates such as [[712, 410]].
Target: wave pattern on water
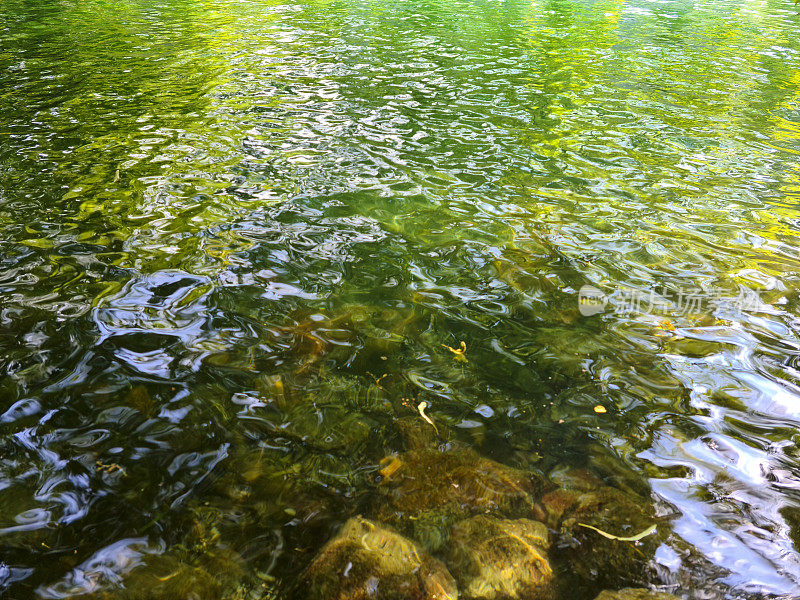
[[236, 236]]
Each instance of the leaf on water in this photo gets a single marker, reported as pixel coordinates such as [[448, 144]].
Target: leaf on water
[[458, 353], [633, 538], [421, 408]]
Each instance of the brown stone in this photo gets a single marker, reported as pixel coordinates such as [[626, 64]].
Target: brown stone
[[587, 554], [457, 481], [368, 560], [501, 559]]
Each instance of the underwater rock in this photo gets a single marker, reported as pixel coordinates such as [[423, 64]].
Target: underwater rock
[[427, 490], [417, 434], [577, 515], [325, 427], [457, 480], [139, 399], [368, 560], [165, 578], [634, 594], [572, 478], [494, 559]]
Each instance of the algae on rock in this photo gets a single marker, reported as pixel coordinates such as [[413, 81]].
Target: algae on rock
[[589, 555], [164, 577], [494, 559], [368, 560], [457, 482]]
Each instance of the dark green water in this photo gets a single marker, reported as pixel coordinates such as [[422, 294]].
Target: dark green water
[[221, 222]]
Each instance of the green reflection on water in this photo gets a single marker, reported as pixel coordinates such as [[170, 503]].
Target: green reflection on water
[[236, 236]]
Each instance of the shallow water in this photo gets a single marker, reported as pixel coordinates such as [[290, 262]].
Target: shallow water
[[237, 235]]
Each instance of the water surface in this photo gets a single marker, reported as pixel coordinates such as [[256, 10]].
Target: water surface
[[223, 221]]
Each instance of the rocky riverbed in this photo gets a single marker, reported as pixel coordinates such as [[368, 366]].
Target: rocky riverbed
[[443, 522]]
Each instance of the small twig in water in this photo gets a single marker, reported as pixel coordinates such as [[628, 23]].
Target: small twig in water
[[633, 538], [378, 379]]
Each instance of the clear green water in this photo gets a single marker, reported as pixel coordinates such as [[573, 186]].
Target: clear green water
[[313, 195]]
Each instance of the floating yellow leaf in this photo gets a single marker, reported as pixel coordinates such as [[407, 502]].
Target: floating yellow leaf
[[421, 408], [600, 409], [458, 353]]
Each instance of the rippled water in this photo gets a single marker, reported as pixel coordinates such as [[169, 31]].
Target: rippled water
[[236, 236]]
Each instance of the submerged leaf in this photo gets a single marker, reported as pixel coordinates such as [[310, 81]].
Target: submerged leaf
[[633, 538], [421, 408]]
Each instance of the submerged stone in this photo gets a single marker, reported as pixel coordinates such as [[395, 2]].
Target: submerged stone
[[634, 594], [425, 491], [417, 434], [501, 559], [139, 399], [586, 553], [164, 577], [368, 560], [457, 481]]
